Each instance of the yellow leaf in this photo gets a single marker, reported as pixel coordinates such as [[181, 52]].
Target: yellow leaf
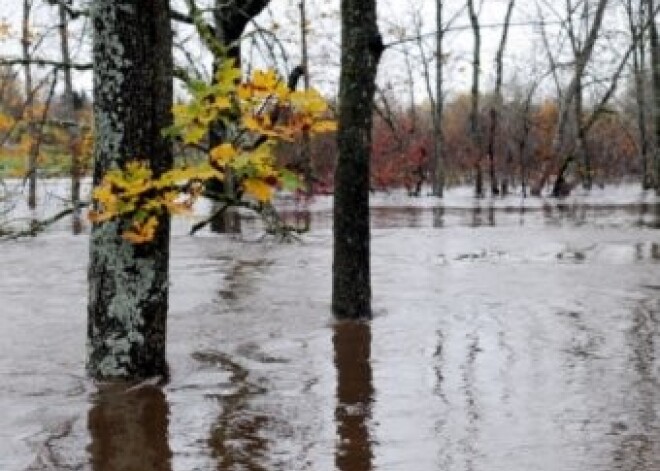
[[142, 232], [194, 134], [251, 123], [258, 189], [223, 154], [325, 125], [104, 194], [309, 101], [265, 80], [98, 217], [244, 92], [222, 103]]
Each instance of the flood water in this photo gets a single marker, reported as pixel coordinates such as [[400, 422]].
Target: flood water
[[503, 339]]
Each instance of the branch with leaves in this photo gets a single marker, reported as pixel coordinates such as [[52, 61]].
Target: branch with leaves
[[260, 112]]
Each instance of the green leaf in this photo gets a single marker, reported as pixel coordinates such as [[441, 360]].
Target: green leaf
[[290, 181]]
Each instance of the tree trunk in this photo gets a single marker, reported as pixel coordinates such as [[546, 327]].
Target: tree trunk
[[582, 57], [438, 136], [360, 53], [306, 148], [26, 42], [655, 76], [128, 284], [73, 130], [639, 70], [581, 139], [475, 132], [497, 105]]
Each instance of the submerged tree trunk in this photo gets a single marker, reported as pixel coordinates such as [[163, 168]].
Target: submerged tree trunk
[[360, 53], [475, 132], [128, 284]]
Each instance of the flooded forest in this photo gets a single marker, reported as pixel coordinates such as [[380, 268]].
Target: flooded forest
[[365, 235]]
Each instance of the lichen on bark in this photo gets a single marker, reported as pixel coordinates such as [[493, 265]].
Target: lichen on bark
[[128, 285]]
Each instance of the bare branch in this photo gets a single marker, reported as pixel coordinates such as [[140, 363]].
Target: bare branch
[[45, 62]]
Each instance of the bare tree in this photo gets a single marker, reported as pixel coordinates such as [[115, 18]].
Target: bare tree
[[69, 117], [475, 131], [655, 78], [438, 108], [497, 98], [26, 42], [636, 22], [582, 57]]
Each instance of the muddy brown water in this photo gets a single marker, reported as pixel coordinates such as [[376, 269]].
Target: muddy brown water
[[502, 340]]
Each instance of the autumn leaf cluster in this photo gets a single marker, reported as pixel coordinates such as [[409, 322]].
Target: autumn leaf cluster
[[256, 114]]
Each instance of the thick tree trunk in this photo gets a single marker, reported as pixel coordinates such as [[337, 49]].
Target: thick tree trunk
[[128, 284], [360, 53]]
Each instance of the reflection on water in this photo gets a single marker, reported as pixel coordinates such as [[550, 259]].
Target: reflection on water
[[128, 429], [551, 213], [573, 386], [438, 217], [352, 348], [299, 219], [469, 445], [638, 447], [237, 438], [478, 219]]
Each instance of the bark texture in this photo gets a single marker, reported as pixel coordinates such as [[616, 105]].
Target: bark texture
[[128, 284], [360, 53]]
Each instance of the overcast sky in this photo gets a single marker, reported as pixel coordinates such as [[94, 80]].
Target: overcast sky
[[525, 55]]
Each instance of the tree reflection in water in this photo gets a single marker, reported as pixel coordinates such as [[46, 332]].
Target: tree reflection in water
[[352, 348], [128, 428]]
